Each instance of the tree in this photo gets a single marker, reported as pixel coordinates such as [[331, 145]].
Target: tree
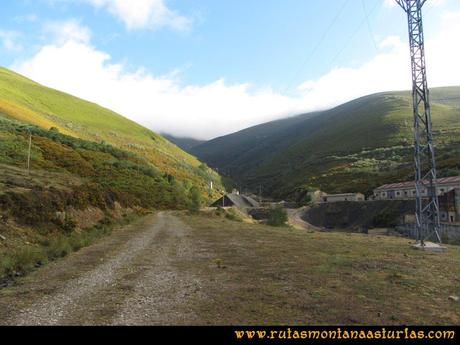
[[195, 199], [277, 217]]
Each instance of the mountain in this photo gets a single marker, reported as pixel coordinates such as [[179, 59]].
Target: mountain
[[185, 144], [31, 103], [353, 147]]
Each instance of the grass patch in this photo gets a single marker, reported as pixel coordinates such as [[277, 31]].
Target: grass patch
[[229, 213], [279, 277], [25, 259]]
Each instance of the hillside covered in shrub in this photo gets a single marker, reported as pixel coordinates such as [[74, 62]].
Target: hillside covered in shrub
[[28, 102], [73, 193]]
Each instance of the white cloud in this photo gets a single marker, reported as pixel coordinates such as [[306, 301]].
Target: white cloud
[[156, 102], [206, 111], [143, 13], [69, 30], [9, 40], [390, 69]]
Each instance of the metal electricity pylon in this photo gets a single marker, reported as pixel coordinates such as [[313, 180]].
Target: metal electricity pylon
[[427, 204]]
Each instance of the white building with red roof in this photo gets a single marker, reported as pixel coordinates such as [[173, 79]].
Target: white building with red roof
[[406, 190]]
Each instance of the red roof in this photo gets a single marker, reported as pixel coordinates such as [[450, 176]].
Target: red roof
[[404, 185]]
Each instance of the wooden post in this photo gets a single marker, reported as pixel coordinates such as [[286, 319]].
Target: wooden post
[[28, 155]]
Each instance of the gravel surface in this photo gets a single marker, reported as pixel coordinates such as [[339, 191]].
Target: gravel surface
[[296, 221], [133, 282]]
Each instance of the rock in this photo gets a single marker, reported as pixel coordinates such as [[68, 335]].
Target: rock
[[3, 238], [454, 298]]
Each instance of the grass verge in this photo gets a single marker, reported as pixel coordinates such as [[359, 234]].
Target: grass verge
[[24, 259]]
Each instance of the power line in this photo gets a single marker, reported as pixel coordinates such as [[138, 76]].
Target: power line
[[371, 32], [318, 44], [358, 28]]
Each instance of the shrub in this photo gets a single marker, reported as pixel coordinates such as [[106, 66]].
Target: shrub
[[7, 265], [195, 199], [59, 248], [231, 214], [24, 259], [306, 199], [277, 217]]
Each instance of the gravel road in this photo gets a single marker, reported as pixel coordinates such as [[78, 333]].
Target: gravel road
[[295, 219], [126, 279]]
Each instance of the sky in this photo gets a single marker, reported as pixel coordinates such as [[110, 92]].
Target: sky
[[206, 68]]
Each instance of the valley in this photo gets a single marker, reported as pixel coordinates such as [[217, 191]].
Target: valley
[[108, 225], [354, 147]]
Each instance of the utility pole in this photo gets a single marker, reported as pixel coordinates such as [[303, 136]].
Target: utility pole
[[28, 154], [426, 206]]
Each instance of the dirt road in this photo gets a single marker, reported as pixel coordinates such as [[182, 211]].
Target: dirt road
[[199, 269], [295, 219], [125, 279]]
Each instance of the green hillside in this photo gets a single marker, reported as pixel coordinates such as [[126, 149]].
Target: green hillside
[[353, 147], [28, 102], [90, 169], [184, 143]]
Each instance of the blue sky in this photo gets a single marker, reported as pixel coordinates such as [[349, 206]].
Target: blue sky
[[205, 68]]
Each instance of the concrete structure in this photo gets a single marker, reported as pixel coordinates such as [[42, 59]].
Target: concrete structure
[[239, 201], [406, 190], [282, 204], [317, 196], [449, 206], [343, 197]]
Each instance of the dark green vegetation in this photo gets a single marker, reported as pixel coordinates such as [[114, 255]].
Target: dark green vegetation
[[103, 175], [277, 217], [256, 274], [185, 144], [349, 215], [354, 147]]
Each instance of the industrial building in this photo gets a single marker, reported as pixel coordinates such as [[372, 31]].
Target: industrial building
[[239, 201], [449, 206], [343, 197], [406, 190]]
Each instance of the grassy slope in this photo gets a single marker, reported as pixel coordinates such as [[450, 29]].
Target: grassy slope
[[283, 276], [29, 102], [75, 171], [185, 144], [353, 147], [73, 184]]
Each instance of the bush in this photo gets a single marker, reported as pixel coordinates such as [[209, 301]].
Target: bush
[[231, 214], [277, 217], [195, 199], [7, 265], [220, 212], [306, 199], [59, 248], [22, 260]]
